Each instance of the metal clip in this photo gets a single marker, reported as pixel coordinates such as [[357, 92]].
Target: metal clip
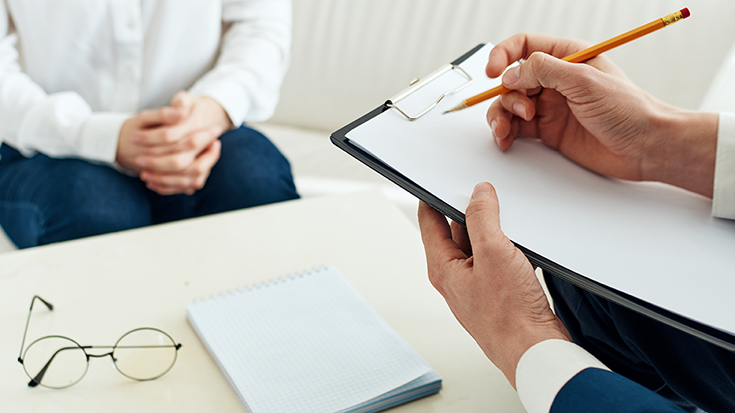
[[417, 84]]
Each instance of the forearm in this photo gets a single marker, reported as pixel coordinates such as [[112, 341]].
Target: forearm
[[683, 150], [59, 124], [253, 59]]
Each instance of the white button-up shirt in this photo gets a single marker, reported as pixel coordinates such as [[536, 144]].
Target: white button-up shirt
[[71, 72]]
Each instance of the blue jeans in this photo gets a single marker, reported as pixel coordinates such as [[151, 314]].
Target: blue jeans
[[683, 368], [45, 200]]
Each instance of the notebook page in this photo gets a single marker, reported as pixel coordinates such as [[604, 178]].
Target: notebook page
[[308, 343], [649, 240]]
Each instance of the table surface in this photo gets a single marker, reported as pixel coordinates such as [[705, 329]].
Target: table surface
[[104, 286]]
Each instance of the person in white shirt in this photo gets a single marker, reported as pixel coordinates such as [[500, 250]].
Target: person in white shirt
[[594, 115], [116, 115]]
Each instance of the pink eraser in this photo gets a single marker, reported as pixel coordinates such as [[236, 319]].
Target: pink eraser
[[685, 13]]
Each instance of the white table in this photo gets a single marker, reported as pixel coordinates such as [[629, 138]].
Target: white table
[[105, 286]]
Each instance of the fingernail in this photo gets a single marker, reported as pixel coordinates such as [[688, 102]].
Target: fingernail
[[493, 125], [512, 75], [520, 109], [481, 188]]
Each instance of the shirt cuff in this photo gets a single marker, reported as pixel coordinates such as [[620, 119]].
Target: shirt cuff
[[545, 368], [723, 198], [99, 135]]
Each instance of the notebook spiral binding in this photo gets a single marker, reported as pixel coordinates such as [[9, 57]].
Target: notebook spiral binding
[[264, 284]]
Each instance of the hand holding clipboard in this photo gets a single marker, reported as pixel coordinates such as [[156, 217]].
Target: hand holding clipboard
[[564, 218]]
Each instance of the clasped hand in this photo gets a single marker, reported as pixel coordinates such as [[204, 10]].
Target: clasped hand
[[173, 149]]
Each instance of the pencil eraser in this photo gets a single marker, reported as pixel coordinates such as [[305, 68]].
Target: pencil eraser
[[685, 13]]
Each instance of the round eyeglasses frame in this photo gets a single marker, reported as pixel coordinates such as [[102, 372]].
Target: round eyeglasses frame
[[36, 380]]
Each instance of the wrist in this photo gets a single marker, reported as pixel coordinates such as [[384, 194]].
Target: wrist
[[682, 149], [509, 348], [217, 115]]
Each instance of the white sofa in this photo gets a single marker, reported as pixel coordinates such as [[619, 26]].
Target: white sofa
[[349, 56]]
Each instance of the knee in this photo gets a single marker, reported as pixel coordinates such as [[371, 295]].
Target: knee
[[96, 202], [253, 170]]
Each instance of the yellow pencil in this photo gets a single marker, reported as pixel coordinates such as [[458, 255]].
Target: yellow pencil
[[587, 53]]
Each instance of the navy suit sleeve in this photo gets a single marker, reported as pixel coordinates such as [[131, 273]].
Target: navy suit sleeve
[[596, 390]]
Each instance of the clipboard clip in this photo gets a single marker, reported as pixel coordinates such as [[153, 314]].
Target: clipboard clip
[[417, 84]]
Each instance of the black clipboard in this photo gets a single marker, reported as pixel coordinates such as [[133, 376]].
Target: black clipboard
[[339, 138]]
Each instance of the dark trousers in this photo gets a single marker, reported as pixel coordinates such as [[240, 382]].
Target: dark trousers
[[45, 200], [688, 371]]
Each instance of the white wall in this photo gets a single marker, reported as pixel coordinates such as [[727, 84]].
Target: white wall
[[349, 56]]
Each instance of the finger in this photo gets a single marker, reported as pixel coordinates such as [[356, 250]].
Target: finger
[[506, 126], [439, 246], [200, 140], [161, 116], [179, 161], [163, 190], [518, 104], [188, 181], [521, 46], [196, 141], [165, 135], [183, 99], [180, 181], [204, 164], [436, 234], [534, 91], [177, 138], [572, 80], [499, 120], [483, 222], [173, 162], [460, 237]]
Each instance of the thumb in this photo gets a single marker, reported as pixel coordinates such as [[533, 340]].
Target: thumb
[[544, 70], [483, 221]]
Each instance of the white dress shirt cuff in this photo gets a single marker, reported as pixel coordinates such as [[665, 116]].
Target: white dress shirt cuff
[[723, 199], [545, 368], [99, 135]]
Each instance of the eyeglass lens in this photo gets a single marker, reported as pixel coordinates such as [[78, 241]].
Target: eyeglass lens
[[55, 362], [145, 354]]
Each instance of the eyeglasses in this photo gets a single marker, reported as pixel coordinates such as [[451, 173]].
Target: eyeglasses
[[58, 362]]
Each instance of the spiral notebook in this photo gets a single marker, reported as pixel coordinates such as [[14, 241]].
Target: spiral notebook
[[309, 343]]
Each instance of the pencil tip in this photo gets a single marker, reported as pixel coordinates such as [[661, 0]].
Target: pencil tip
[[461, 106]]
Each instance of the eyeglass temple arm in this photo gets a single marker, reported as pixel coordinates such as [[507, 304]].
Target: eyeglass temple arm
[[37, 380], [28, 320]]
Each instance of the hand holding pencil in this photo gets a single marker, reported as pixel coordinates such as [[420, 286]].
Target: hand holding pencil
[[588, 53], [596, 117]]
